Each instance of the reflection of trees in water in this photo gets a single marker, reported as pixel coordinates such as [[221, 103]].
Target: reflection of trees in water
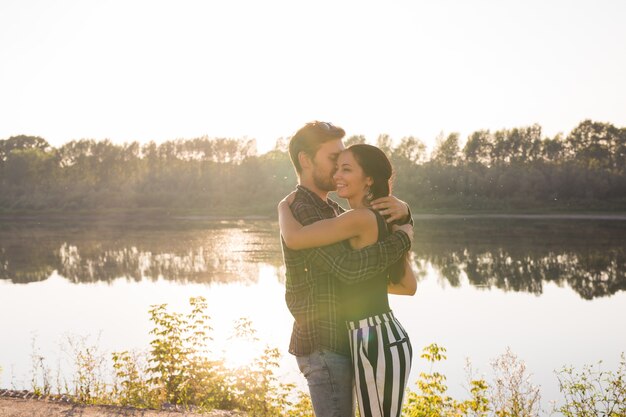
[[591, 275], [517, 257], [195, 265], [216, 255], [591, 259], [599, 274], [21, 266]]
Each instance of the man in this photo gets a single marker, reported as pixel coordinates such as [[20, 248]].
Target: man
[[319, 338]]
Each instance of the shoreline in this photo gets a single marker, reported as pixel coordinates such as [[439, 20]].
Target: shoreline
[[14, 403], [533, 216], [150, 217]]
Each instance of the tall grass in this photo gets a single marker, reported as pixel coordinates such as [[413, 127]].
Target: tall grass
[[179, 370]]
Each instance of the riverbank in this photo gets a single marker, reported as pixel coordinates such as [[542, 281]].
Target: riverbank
[[28, 404], [122, 214], [150, 216]]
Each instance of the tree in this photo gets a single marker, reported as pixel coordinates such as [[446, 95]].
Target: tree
[[447, 150], [282, 144], [619, 151], [28, 168], [525, 143], [499, 149], [477, 149], [552, 150], [594, 144], [518, 145], [22, 142], [411, 149], [385, 143], [354, 140]]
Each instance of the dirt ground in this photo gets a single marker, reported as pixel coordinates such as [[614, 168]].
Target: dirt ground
[[20, 407]]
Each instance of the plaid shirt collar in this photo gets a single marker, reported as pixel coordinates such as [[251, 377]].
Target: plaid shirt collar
[[315, 199]]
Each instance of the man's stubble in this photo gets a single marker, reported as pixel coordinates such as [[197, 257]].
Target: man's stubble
[[324, 183]]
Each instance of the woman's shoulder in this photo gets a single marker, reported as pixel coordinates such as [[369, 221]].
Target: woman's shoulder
[[361, 216]]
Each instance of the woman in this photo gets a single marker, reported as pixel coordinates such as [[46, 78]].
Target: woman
[[380, 348]]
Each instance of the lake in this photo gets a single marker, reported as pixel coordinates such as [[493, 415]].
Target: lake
[[552, 289]]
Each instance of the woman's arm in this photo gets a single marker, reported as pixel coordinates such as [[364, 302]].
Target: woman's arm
[[323, 232], [408, 283]]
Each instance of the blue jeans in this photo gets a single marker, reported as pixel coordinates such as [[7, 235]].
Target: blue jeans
[[330, 380]]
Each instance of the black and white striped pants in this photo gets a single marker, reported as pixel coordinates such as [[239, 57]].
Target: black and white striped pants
[[381, 356]]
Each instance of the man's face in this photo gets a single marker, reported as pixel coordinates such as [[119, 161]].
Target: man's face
[[325, 164]]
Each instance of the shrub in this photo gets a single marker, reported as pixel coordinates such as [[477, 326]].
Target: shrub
[[432, 399], [593, 392], [513, 394]]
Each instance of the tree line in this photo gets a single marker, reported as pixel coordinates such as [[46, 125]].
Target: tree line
[[507, 169]]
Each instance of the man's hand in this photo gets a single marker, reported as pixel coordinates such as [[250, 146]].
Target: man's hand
[[391, 206], [406, 228]]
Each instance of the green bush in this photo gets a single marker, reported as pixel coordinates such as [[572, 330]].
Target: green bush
[[180, 369], [593, 392], [432, 399]]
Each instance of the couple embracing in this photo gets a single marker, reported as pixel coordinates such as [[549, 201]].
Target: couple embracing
[[340, 266]]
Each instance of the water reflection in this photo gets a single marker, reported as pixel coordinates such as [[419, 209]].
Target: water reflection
[[512, 255], [591, 275], [224, 252], [522, 255]]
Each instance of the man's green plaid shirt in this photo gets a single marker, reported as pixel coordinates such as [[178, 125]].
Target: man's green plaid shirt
[[312, 276]]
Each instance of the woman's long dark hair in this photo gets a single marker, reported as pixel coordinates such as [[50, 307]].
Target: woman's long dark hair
[[376, 165]]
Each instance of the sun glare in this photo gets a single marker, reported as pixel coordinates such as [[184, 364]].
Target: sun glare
[[261, 305]]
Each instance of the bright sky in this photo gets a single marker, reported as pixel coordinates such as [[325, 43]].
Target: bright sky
[[157, 70]]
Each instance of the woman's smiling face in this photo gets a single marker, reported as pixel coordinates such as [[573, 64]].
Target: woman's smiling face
[[350, 179]]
